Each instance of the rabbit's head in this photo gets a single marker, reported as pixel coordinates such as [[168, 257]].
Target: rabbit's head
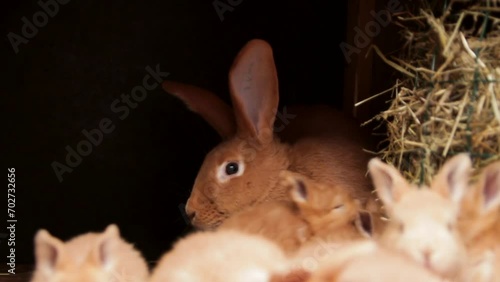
[[90, 257], [243, 169], [481, 207], [329, 210], [423, 220]]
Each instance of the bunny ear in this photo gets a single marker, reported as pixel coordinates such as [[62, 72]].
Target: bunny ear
[[299, 192], [103, 253], [48, 250], [452, 179], [253, 85], [489, 185], [364, 224], [205, 103], [388, 182]]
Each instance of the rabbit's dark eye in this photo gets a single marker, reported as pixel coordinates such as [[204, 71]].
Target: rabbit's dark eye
[[231, 168]]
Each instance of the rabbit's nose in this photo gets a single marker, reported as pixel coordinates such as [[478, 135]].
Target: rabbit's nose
[[190, 212], [191, 215], [427, 256]]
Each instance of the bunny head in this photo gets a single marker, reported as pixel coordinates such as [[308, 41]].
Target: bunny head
[[423, 220], [330, 211], [242, 170], [481, 207], [92, 257]]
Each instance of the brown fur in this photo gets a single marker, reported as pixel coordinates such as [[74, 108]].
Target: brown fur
[[90, 257], [332, 215], [219, 256], [423, 220], [318, 142], [277, 221], [309, 219], [331, 212], [214, 201]]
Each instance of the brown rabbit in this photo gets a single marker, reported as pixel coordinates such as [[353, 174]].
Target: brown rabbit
[[369, 262], [220, 256], [480, 225], [243, 170], [423, 220], [90, 257]]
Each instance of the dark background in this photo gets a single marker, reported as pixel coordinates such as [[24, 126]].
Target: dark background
[[66, 77]]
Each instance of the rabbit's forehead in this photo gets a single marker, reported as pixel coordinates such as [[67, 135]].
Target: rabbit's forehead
[[327, 198], [222, 154], [424, 205], [80, 275]]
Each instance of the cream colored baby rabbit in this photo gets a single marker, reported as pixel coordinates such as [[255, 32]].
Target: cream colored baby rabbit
[[221, 256], [90, 257], [423, 220], [367, 261]]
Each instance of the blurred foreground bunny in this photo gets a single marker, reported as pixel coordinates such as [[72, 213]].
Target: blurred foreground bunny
[[480, 226], [90, 257], [423, 220], [367, 261], [222, 256], [242, 171]]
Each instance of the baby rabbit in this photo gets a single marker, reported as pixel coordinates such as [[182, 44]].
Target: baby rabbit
[[331, 213], [318, 212], [220, 256], [423, 220], [90, 257], [243, 169], [367, 261], [480, 225]]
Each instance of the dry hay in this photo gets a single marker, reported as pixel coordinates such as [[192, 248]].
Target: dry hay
[[448, 99]]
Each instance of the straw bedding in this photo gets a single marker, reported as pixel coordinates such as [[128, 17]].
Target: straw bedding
[[447, 100]]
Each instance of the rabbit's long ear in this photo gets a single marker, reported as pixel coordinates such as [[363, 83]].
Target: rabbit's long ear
[[452, 179], [253, 83], [104, 252], [48, 251], [205, 103], [388, 182], [489, 187]]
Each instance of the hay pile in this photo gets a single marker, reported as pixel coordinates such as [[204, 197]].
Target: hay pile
[[448, 101]]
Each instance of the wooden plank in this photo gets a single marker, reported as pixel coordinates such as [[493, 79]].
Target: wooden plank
[[358, 73]]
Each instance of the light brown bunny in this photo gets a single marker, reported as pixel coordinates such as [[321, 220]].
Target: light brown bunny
[[243, 169], [220, 256], [480, 225], [318, 213], [333, 216], [90, 257], [423, 220], [367, 261]]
